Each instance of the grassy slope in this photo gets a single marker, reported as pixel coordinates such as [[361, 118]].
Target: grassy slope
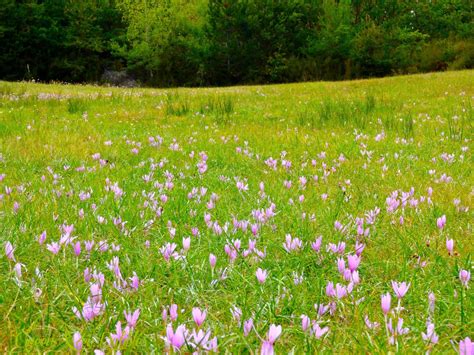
[[46, 126]]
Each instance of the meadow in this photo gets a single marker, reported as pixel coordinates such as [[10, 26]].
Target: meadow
[[329, 217]]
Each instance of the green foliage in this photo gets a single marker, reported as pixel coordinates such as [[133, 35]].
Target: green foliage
[[226, 42], [62, 40]]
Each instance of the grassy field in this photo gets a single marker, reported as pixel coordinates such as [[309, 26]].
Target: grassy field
[[312, 198]]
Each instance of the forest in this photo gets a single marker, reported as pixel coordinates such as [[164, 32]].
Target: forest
[[170, 43]]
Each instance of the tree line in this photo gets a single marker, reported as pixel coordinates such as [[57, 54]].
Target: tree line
[[226, 42]]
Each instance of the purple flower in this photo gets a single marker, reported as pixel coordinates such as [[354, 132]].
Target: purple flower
[[77, 248], [132, 318], [430, 336], [316, 245], [441, 222], [175, 339], [305, 321], [261, 275], [42, 238], [330, 291], [353, 262], [77, 341], [273, 333], [174, 312], [212, 260], [317, 331], [120, 335], [466, 347], [399, 330], [53, 247], [369, 324], [386, 299], [267, 348], [400, 288], [199, 316], [450, 246], [248, 325], [9, 250], [464, 276]]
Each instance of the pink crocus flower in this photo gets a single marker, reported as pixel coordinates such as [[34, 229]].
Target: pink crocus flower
[[77, 342], [385, 303], [186, 243], [174, 312], [261, 275], [248, 325], [77, 248], [430, 336], [53, 247], [267, 348], [317, 331], [369, 324], [353, 262], [42, 238], [305, 322], [464, 276], [450, 246], [120, 335], [175, 338], [399, 330], [9, 251], [132, 318], [341, 265], [400, 288], [212, 260], [441, 222], [316, 245], [273, 333], [199, 316], [466, 347], [330, 290]]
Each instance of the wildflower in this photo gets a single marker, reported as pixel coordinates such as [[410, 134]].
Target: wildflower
[[464, 276], [175, 338], [132, 318], [186, 243], [198, 316], [212, 260], [174, 312], [441, 222], [353, 262], [316, 245], [261, 275], [9, 250], [248, 325], [53, 247], [430, 336], [77, 341], [369, 324], [400, 288], [42, 238], [77, 248], [120, 335], [317, 331], [305, 322], [272, 335], [236, 313], [386, 299], [330, 291], [450, 246], [466, 347], [395, 332]]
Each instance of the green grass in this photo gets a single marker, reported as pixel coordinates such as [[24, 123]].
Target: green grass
[[378, 136]]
